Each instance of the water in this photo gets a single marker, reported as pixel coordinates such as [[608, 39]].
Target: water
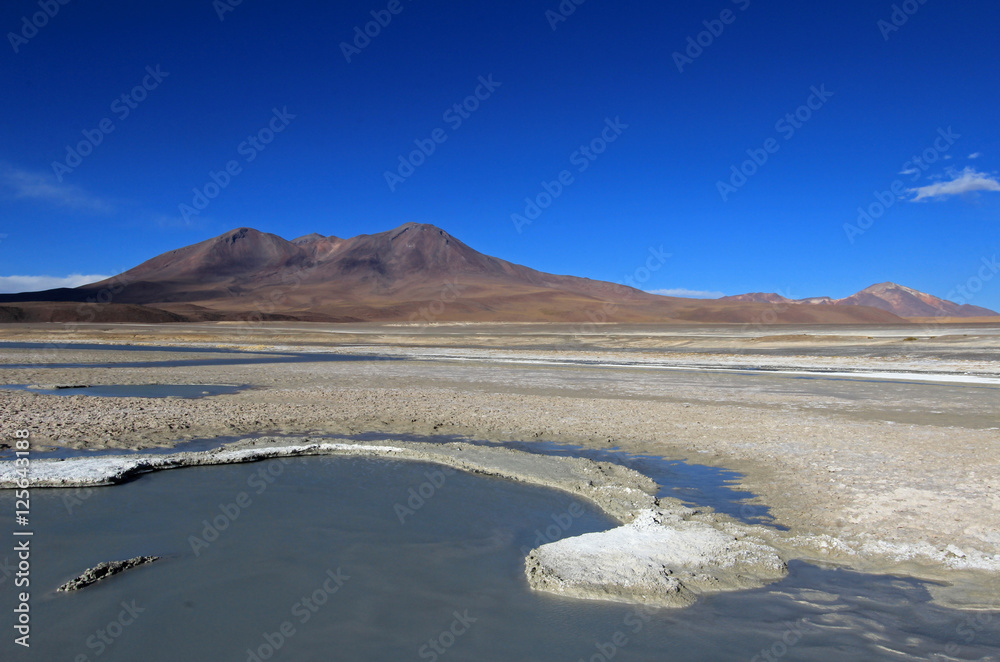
[[186, 391], [696, 485], [117, 348], [449, 576], [239, 357]]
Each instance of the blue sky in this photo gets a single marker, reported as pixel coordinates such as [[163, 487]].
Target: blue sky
[[627, 124]]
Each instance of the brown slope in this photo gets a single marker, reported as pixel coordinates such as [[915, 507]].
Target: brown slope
[[318, 247], [415, 256], [105, 313], [243, 252], [400, 273], [907, 302], [897, 299], [222, 267]]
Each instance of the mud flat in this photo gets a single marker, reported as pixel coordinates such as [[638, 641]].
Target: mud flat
[[898, 475]]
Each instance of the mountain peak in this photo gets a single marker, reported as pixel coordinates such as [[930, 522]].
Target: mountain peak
[[239, 251], [891, 297], [908, 302], [240, 233], [305, 239], [889, 286], [418, 228]]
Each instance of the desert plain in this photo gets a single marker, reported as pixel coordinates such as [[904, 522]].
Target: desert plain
[[878, 447]]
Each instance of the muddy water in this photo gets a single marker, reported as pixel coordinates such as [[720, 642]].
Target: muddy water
[[187, 391], [334, 558]]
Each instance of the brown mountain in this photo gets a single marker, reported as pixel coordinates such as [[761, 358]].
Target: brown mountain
[[897, 299], [413, 273]]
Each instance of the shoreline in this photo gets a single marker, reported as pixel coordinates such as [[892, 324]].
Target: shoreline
[[883, 476], [664, 553], [716, 553]]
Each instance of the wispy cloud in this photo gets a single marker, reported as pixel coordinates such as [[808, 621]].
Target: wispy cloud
[[975, 155], [967, 181], [21, 184], [683, 292], [909, 171], [176, 221], [14, 284]]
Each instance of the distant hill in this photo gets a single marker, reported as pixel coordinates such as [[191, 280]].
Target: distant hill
[[414, 273], [897, 299]]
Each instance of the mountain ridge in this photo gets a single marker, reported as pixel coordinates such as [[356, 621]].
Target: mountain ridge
[[413, 273], [893, 297]]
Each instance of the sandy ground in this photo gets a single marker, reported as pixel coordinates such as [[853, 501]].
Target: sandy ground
[[898, 473]]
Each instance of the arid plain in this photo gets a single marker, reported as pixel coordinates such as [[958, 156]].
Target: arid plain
[[878, 447]]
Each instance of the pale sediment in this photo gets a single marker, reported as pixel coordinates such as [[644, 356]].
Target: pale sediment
[[659, 558]]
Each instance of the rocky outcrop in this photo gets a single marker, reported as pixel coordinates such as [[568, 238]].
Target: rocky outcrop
[[104, 571]]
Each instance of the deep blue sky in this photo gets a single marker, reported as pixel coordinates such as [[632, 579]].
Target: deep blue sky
[[655, 185]]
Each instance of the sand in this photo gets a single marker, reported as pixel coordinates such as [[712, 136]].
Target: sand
[[898, 474]]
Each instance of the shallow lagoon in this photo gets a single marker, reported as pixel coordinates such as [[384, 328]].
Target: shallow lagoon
[[317, 564], [186, 391]]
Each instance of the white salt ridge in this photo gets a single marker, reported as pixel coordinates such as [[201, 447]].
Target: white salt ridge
[[109, 470], [860, 374], [657, 558], [950, 556], [957, 372]]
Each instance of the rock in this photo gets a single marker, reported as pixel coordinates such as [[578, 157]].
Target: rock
[[105, 570]]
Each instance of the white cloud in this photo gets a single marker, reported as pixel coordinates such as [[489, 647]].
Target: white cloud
[[975, 155], [909, 171], [22, 184], [683, 292], [966, 181], [14, 284]]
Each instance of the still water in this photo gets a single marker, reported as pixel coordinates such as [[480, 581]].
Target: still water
[[334, 559], [186, 391]]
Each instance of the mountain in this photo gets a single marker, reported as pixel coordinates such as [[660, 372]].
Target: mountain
[[414, 273], [897, 299], [907, 302]]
